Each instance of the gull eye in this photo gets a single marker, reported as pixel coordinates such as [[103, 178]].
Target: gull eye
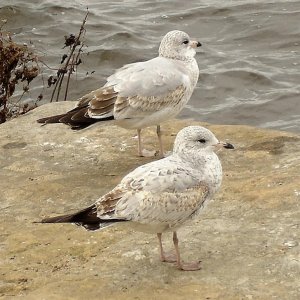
[[202, 141], [185, 42]]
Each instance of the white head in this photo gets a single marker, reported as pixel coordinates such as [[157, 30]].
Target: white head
[[178, 45], [198, 140]]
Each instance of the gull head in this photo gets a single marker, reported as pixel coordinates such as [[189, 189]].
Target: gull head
[[178, 45], [197, 139]]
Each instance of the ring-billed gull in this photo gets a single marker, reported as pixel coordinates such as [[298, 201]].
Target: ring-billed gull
[[141, 94], [161, 195]]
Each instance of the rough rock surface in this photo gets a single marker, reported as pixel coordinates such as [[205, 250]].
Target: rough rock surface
[[247, 238]]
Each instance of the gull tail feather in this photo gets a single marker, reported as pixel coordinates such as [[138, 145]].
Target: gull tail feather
[[87, 218], [77, 118]]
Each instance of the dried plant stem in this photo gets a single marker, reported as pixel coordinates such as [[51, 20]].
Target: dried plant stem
[[69, 76], [53, 92], [59, 81], [69, 65]]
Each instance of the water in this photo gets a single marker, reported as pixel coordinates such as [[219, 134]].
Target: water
[[249, 63]]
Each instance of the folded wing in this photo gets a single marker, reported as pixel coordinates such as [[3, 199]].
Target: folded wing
[[151, 195]]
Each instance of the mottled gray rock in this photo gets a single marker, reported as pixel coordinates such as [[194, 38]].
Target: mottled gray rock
[[247, 238]]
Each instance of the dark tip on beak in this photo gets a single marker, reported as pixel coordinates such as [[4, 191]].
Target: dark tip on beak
[[199, 44], [228, 146]]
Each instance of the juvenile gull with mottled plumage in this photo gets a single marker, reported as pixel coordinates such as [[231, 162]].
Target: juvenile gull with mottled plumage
[[161, 195], [141, 94]]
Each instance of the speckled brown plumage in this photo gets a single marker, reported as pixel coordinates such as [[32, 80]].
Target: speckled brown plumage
[[141, 94], [162, 195]]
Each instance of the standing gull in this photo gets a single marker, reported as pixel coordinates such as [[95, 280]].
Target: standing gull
[[161, 195], [141, 94]]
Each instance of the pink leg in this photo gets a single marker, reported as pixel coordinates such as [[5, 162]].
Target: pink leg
[[143, 152], [193, 266], [163, 257]]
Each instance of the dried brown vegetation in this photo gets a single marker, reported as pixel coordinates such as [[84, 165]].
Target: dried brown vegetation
[[18, 67]]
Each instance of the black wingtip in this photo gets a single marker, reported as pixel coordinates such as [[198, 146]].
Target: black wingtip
[[87, 218], [68, 119]]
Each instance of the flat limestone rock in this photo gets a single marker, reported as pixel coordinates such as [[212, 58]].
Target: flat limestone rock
[[247, 238]]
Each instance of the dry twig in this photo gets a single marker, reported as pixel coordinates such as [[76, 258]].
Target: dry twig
[[70, 61]]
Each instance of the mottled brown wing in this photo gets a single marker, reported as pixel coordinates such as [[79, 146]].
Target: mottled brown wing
[[107, 203], [99, 103], [95, 106], [96, 216]]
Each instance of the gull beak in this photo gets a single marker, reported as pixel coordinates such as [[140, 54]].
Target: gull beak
[[195, 44], [224, 145]]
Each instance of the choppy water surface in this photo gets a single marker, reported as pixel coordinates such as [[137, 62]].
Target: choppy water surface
[[249, 62]]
